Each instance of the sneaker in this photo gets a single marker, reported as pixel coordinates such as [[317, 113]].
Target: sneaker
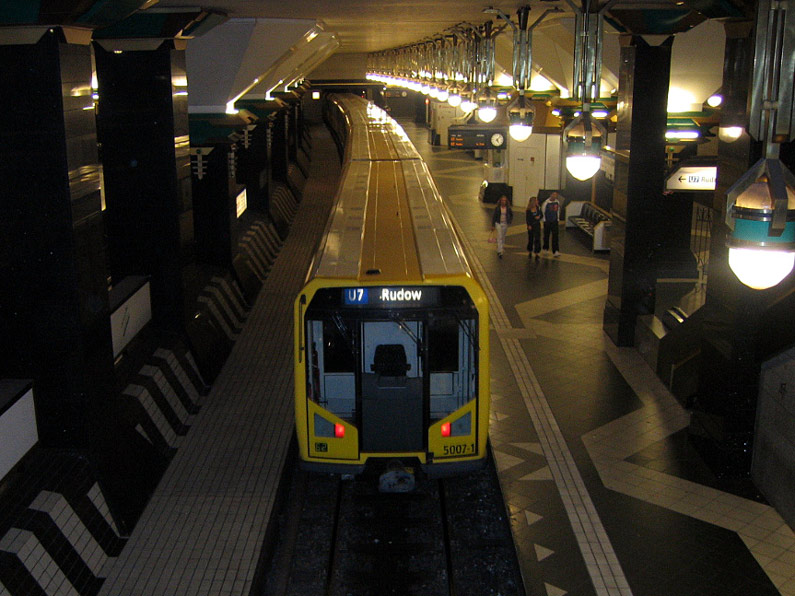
[[556, 254]]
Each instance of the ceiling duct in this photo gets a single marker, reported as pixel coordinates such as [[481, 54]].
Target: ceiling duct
[[297, 62], [244, 56], [162, 23]]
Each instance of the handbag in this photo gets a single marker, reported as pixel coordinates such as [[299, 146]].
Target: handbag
[[492, 236]]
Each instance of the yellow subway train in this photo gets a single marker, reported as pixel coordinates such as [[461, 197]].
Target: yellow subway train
[[391, 327]]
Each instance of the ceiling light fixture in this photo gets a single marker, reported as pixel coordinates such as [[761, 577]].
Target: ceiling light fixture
[[715, 100], [760, 206], [487, 106], [761, 214], [682, 135], [729, 134], [521, 113], [584, 136], [454, 99]]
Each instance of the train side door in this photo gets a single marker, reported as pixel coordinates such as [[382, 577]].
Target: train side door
[[392, 382]]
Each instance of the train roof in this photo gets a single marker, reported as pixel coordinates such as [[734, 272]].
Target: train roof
[[389, 225], [372, 133]]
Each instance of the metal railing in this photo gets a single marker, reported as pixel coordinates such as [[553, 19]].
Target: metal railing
[[700, 229]]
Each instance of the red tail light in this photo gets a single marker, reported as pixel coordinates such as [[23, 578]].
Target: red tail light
[[339, 431], [445, 429]]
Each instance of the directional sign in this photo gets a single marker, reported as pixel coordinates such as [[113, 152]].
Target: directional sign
[[692, 178]]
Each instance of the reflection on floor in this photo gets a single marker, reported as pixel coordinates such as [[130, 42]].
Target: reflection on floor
[[605, 493]]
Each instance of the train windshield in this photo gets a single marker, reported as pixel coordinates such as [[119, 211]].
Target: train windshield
[[420, 358]]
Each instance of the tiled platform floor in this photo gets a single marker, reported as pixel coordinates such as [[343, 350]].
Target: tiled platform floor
[[605, 495]]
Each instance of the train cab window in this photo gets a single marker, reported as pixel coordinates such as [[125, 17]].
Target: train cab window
[[443, 345], [337, 353], [452, 361], [330, 367]]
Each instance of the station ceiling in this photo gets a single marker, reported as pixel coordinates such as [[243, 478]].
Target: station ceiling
[[373, 25], [362, 26]]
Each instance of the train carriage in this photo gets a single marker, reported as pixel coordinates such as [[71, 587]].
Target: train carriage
[[391, 327]]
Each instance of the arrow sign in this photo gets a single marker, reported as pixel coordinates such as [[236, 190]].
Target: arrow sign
[[692, 178]]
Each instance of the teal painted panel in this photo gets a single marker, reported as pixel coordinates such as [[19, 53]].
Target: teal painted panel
[[19, 12], [107, 12], [141, 25], [756, 231]]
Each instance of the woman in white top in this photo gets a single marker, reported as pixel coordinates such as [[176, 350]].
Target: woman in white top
[[501, 219]]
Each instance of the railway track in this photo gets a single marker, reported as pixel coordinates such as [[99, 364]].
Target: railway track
[[341, 537]]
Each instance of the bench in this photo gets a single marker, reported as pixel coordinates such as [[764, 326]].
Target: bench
[[592, 220]]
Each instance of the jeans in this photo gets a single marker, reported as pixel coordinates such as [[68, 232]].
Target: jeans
[[554, 229], [501, 230]]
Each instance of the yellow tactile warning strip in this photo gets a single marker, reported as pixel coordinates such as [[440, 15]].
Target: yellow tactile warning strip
[[388, 243]]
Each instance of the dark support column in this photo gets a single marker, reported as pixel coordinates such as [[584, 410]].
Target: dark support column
[[303, 145], [214, 192], [54, 320], [742, 327], [143, 132], [54, 313], [291, 123], [269, 124], [253, 168], [279, 147], [643, 93], [260, 158]]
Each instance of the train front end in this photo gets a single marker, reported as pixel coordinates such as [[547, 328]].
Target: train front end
[[392, 372]]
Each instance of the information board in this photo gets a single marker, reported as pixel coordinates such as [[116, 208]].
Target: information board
[[472, 137]]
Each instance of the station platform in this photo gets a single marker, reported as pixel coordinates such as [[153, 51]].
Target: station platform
[[604, 494], [203, 529]]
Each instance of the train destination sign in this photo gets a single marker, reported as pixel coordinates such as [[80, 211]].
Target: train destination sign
[[390, 296], [692, 178]]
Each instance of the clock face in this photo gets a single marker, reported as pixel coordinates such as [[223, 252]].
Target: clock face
[[497, 140]]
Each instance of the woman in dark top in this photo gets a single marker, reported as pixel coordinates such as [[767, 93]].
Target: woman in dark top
[[533, 217]]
